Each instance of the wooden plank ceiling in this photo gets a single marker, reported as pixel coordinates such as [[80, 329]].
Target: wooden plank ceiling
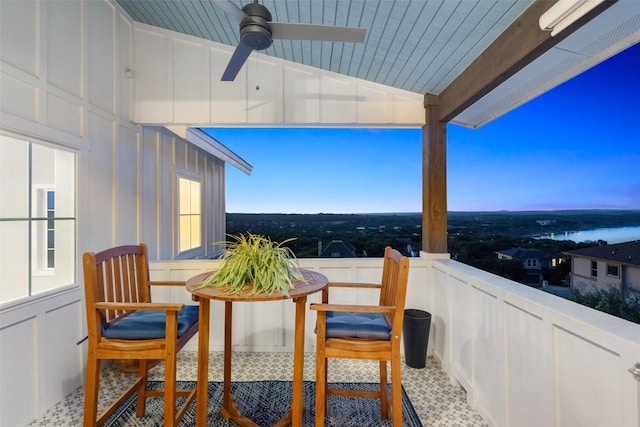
[[416, 45], [420, 46]]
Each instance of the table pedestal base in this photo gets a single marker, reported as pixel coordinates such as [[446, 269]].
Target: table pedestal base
[[313, 282]]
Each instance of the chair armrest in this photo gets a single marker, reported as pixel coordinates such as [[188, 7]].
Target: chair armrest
[[354, 285], [167, 283], [354, 308], [139, 306]]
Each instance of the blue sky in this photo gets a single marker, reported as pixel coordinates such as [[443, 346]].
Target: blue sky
[[575, 147]]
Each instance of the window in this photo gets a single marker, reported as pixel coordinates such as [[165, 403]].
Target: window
[[189, 214], [44, 238], [37, 218], [613, 271], [532, 263], [594, 269]]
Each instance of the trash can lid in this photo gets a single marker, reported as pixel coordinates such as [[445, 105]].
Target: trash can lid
[[414, 313]]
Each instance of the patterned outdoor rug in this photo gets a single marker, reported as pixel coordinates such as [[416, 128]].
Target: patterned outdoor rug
[[265, 402]]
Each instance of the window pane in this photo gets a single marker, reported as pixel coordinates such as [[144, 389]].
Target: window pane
[[195, 231], [185, 233], [184, 195], [14, 178], [43, 178], [65, 182], [51, 239], [51, 198], [65, 249], [14, 260], [195, 198], [51, 259], [62, 258]]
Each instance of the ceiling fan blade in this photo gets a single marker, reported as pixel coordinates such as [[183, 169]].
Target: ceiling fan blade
[[236, 62], [285, 30], [230, 9]]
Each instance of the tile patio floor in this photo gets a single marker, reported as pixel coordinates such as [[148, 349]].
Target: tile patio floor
[[436, 401]]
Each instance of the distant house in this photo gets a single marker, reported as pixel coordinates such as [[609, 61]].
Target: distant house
[[534, 261], [338, 249], [604, 267]]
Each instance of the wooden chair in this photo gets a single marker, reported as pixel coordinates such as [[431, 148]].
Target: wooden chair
[[365, 332], [123, 323]]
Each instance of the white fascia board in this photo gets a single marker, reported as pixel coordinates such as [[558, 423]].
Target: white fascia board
[[212, 146]]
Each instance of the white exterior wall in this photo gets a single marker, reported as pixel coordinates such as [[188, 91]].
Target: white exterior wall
[[581, 279], [63, 82], [528, 358], [177, 81]]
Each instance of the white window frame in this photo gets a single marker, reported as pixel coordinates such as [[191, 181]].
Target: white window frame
[[37, 243], [193, 251]]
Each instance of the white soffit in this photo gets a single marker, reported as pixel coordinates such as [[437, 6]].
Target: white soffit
[[615, 30]]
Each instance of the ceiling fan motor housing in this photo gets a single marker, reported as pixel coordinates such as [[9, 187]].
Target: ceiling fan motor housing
[[255, 30]]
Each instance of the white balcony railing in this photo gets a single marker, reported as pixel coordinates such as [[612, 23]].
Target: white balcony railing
[[525, 357]]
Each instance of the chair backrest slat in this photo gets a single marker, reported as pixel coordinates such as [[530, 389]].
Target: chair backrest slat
[[128, 279], [108, 286], [117, 274], [116, 283]]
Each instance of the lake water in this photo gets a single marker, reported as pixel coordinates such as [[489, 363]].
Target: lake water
[[611, 235]]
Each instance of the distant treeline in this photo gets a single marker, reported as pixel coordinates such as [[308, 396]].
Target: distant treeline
[[473, 239], [472, 235]]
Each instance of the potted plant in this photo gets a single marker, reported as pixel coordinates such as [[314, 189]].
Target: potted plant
[[256, 264]]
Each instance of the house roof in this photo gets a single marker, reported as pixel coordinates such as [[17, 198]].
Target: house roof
[[524, 253], [623, 253], [344, 249], [455, 49]]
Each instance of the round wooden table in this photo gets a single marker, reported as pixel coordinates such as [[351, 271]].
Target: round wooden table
[[314, 282]]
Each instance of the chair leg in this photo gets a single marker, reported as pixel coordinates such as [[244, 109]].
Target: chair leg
[[384, 401], [321, 387], [91, 391], [396, 391], [141, 400], [170, 390]]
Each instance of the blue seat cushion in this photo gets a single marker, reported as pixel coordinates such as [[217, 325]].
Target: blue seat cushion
[[149, 324], [357, 325]]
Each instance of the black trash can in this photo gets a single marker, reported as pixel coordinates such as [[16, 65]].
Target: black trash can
[[416, 337]]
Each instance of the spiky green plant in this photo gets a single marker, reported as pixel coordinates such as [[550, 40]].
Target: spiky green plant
[[256, 261]]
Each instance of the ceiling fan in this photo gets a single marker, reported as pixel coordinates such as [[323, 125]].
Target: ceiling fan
[[257, 32]]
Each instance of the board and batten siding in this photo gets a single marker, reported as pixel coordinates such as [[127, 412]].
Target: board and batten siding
[[64, 83]]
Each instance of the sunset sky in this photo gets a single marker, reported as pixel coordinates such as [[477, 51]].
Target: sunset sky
[[575, 147]]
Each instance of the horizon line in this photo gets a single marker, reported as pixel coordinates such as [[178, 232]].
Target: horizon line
[[448, 212]]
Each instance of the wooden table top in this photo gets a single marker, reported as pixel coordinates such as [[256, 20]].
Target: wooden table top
[[314, 283]]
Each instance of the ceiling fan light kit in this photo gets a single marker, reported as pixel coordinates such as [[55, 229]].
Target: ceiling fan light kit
[[257, 32]]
